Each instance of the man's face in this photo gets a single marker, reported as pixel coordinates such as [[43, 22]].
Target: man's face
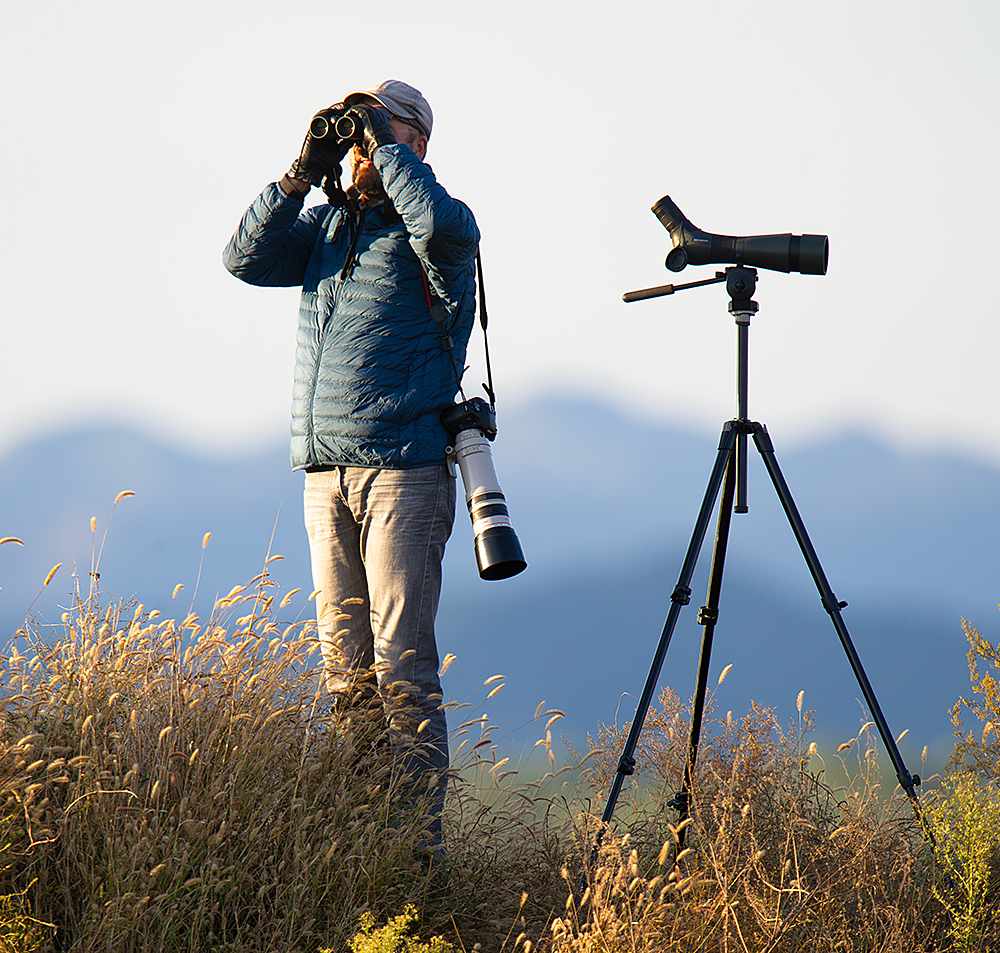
[[364, 175]]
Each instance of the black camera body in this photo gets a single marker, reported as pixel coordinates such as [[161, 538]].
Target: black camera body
[[473, 414], [471, 426]]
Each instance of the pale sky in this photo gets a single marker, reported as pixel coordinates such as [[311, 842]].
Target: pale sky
[[136, 134]]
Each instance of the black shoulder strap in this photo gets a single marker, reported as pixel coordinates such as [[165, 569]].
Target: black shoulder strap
[[488, 386]]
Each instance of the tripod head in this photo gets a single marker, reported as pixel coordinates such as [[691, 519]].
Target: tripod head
[[741, 282]]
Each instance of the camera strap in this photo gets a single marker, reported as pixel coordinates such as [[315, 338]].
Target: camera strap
[[440, 314], [483, 320]]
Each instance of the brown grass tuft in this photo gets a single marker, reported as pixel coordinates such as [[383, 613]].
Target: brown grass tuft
[[170, 787]]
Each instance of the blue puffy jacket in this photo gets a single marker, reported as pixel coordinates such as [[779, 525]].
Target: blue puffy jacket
[[371, 371]]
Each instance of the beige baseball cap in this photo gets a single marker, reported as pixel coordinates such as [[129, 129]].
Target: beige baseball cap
[[401, 100]]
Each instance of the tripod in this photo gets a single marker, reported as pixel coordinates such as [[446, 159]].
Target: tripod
[[729, 473]]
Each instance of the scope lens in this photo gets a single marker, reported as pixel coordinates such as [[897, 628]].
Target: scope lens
[[319, 127], [814, 254]]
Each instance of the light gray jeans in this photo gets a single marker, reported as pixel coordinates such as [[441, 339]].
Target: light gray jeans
[[377, 538]]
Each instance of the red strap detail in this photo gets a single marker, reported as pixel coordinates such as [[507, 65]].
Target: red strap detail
[[427, 288]]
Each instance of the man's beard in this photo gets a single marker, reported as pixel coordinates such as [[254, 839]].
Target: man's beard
[[367, 180]]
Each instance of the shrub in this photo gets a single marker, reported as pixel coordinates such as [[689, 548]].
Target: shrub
[[965, 816], [974, 751], [394, 937], [966, 823], [19, 931]]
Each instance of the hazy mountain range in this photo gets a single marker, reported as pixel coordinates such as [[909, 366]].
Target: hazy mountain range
[[604, 506]]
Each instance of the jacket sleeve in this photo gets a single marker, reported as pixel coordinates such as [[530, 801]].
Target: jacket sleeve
[[443, 231], [274, 239]]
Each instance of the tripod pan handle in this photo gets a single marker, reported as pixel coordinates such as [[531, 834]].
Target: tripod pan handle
[[656, 292]]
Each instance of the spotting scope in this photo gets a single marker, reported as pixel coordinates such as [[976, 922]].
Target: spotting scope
[[806, 254]]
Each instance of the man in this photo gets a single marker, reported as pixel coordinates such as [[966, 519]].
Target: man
[[374, 369]]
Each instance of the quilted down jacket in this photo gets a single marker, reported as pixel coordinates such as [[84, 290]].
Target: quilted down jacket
[[371, 370]]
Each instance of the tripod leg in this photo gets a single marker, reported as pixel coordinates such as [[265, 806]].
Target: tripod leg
[[763, 441], [708, 617], [680, 597]]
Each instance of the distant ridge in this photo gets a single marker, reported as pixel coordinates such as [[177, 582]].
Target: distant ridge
[[603, 504]]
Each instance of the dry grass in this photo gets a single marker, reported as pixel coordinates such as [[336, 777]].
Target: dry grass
[[182, 786], [201, 792], [774, 859], [171, 786]]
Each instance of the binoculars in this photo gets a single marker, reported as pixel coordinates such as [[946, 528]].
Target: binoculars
[[341, 124]]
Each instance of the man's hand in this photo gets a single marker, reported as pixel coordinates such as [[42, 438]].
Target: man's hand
[[377, 130], [319, 157]]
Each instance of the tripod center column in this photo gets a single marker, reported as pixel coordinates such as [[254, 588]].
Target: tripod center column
[[741, 283]]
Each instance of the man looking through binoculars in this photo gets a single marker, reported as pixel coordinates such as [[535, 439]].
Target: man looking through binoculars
[[387, 272]]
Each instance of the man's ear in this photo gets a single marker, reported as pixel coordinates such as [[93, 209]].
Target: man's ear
[[420, 146]]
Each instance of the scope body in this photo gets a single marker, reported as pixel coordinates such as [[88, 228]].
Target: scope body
[[806, 254]]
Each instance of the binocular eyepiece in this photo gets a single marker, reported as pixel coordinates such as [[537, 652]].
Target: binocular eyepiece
[[806, 254], [343, 125]]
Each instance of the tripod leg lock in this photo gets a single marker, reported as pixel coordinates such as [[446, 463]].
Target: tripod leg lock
[[831, 604], [626, 764], [707, 616], [761, 437], [680, 803], [681, 595]]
